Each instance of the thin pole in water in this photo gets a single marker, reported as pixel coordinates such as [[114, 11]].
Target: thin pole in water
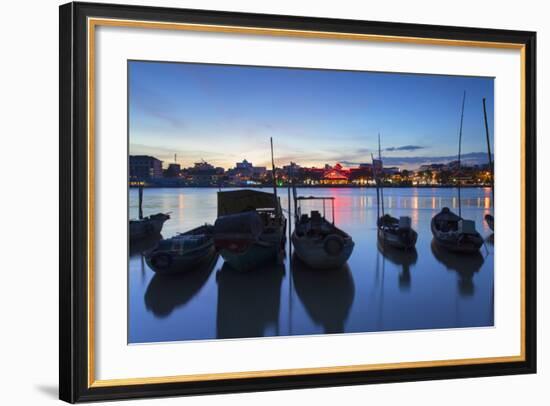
[[459, 155], [140, 195], [381, 170], [274, 178], [377, 191]]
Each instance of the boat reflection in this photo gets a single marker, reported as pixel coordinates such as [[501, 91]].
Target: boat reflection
[[464, 265], [166, 292], [144, 244], [402, 258], [326, 294], [248, 302]]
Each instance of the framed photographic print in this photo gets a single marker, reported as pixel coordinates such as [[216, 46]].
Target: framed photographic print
[[254, 202]]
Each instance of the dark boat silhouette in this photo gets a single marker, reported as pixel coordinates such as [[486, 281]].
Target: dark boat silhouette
[[392, 231], [250, 229], [183, 252], [146, 227], [450, 230], [318, 242], [455, 234]]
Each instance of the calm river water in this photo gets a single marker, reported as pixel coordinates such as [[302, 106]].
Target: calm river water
[[377, 291]]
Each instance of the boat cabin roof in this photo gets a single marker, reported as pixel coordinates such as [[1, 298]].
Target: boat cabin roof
[[238, 201]]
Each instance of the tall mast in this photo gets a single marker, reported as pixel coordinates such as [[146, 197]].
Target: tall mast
[[489, 153], [294, 193], [274, 179], [459, 154], [377, 190], [381, 170]]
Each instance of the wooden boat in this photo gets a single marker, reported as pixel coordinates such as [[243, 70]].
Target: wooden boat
[[451, 231], [250, 228], [489, 219], [454, 233], [146, 227], [318, 242], [183, 252], [391, 231], [396, 233]]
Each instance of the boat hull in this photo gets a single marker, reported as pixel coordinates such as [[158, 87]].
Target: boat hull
[[459, 243], [404, 241], [184, 262], [253, 257], [312, 252], [148, 227], [490, 220]]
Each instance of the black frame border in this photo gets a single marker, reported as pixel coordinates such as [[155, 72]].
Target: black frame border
[[73, 195]]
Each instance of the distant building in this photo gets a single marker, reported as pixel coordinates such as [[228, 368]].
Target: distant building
[[144, 167], [244, 165], [245, 171], [335, 175], [203, 174], [392, 170], [173, 171]]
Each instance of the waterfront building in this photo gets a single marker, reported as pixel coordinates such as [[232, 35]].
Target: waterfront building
[[173, 171], [144, 167], [335, 175]]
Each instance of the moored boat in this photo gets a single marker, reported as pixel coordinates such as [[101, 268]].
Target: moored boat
[[317, 242], [450, 230], [183, 252], [146, 227], [396, 233], [454, 233], [490, 220], [391, 231], [250, 228]]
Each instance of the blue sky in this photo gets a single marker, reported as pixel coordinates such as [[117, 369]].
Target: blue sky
[[224, 113]]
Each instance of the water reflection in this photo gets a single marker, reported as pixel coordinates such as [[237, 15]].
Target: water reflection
[[405, 291], [167, 292], [403, 259], [464, 265], [248, 302], [326, 294]]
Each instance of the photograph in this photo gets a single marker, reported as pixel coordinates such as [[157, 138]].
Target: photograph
[[268, 201]]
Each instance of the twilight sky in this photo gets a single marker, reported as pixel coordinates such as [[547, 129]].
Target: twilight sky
[[223, 114]]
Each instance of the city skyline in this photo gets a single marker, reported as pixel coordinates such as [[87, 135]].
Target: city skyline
[[223, 114]]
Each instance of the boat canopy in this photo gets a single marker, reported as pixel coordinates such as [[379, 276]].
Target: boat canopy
[[446, 215], [238, 201]]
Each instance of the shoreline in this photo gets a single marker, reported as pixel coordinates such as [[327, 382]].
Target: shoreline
[[310, 187]]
